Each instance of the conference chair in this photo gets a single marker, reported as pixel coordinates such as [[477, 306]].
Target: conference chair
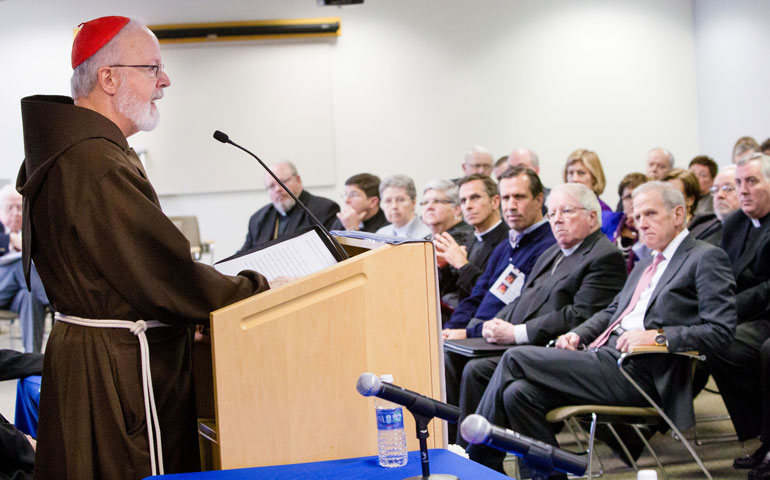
[[635, 417], [188, 225]]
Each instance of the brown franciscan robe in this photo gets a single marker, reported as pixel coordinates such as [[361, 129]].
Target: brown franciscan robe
[[105, 250]]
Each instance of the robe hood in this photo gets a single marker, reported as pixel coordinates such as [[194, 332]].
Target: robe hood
[[52, 124]]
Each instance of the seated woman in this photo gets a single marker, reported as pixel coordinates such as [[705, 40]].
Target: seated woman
[[625, 235], [397, 197], [441, 211], [583, 166], [705, 227]]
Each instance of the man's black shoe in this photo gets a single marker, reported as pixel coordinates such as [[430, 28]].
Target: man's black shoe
[[761, 471], [753, 460]]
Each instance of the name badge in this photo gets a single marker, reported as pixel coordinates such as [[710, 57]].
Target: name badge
[[507, 287]]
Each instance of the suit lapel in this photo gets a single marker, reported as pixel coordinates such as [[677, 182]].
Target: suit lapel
[[750, 252]]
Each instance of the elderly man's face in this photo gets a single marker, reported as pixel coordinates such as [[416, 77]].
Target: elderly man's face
[[725, 195], [657, 224], [520, 208], [753, 189], [480, 163], [281, 200], [397, 205], [570, 222], [139, 87], [523, 158], [10, 210], [657, 165]]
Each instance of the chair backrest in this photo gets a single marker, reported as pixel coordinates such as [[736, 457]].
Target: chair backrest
[[188, 225]]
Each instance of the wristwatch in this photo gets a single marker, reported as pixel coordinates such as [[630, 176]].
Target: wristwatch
[[660, 339]]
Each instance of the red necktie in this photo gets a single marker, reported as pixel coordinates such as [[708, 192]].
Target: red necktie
[[641, 286]]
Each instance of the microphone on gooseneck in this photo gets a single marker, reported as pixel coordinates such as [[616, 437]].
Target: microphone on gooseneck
[[224, 138]]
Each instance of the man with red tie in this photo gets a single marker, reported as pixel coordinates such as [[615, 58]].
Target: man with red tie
[[682, 297]]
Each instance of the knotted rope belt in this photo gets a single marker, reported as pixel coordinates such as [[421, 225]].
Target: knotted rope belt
[[137, 328]]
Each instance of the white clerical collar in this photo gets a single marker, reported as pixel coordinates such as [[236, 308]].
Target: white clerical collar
[[480, 236], [755, 222]]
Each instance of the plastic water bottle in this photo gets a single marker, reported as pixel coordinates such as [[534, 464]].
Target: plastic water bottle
[[391, 438]]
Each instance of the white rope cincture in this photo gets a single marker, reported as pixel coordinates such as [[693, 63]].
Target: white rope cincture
[[151, 412]]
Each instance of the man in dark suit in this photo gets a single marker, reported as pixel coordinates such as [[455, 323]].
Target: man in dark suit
[[683, 299], [282, 217], [571, 281], [14, 295], [737, 370]]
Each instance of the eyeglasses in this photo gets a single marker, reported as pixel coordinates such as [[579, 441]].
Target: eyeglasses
[[157, 70], [351, 195], [727, 188], [11, 207], [565, 213], [479, 166], [273, 186], [426, 203]]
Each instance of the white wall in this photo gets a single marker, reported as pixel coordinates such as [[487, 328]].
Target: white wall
[[417, 82], [732, 42]]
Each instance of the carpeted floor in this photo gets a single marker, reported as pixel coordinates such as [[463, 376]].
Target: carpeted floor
[[718, 457]]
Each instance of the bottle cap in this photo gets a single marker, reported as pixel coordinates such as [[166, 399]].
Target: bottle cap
[[647, 475], [387, 378]]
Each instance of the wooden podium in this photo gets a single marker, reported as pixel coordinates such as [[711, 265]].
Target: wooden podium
[[286, 361]]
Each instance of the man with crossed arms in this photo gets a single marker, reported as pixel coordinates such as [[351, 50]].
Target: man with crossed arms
[[682, 297]]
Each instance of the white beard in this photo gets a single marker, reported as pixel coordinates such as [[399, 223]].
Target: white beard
[[141, 114], [285, 206]]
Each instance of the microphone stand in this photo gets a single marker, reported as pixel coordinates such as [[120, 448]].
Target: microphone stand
[[224, 138], [422, 435]]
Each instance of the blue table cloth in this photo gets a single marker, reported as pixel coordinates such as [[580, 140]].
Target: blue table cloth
[[441, 461]]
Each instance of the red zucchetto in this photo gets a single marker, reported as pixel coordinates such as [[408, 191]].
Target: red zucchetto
[[93, 35]]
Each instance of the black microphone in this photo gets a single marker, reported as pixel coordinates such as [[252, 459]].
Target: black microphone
[[224, 138], [370, 384], [538, 455]]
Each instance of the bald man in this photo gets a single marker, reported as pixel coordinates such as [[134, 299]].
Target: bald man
[[281, 216]]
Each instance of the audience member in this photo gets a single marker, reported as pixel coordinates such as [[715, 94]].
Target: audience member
[[478, 160], [480, 204], [724, 194], [744, 147], [441, 212], [522, 199], [683, 299], [397, 196], [659, 162], [501, 165], [571, 281], [583, 167], [14, 295], [765, 147], [526, 158], [281, 216], [625, 235], [738, 370], [17, 449], [361, 210], [705, 170], [706, 227]]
